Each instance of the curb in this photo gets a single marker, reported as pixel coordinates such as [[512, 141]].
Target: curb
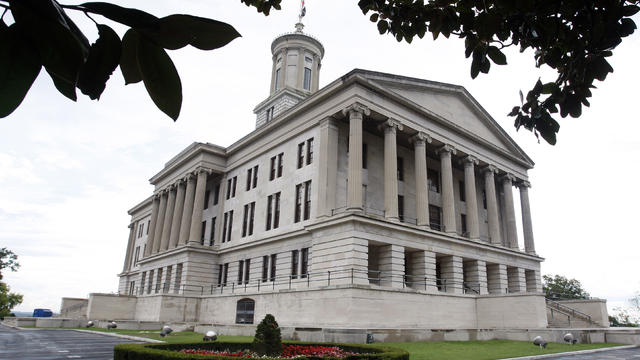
[[571, 353], [122, 336]]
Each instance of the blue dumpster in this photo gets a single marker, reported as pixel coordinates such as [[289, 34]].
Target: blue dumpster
[[42, 313]]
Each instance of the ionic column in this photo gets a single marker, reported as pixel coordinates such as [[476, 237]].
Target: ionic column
[[160, 223], [300, 79], [155, 207], [473, 224], [283, 69], [420, 141], [177, 215], [316, 73], [448, 206], [527, 227], [132, 239], [187, 209], [512, 232], [168, 218], [356, 114], [390, 127], [492, 204], [327, 167], [273, 73], [198, 206]]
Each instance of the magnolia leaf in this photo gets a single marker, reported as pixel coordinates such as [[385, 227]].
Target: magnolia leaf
[[131, 17], [129, 57], [104, 57], [176, 31], [160, 77]]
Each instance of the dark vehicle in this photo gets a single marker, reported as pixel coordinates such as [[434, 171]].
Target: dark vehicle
[[42, 313]]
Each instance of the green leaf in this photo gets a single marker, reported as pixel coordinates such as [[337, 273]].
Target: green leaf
[[64, 87], [160, 78], [176, 31], [374, 17], [104, 57], [131, 17], [548, 128], [129, 57], [383, 26], [515, 111], [19, 67], [496, 55]]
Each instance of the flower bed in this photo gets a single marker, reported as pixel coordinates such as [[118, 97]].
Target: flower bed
[[234, 351]]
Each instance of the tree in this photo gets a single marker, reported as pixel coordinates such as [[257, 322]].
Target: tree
[[559, 287], [8, 300], [268, 340]]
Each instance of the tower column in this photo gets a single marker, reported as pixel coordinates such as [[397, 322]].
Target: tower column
[[155, 208], [356, 114], [198, 206], [187, 210], [177, 214], [448, 206], [420, 141], [315, 84], [512, 232], [160, 223], [473, 224], [527, 227], [391, 168], [492, 205], [300, 72], [168, 218]]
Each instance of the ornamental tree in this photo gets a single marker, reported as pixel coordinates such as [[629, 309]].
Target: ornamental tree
[[8, 300], [268, 340], [559, 287]]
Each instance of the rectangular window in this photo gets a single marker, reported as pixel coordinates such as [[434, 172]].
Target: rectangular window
[[150, 286], [247, 268], [401, 208], [252, 212], [265, 268], [307, 200], [298, 209], [202, 233], [158, 280], [213, 232], [207, 194], [142, 281], [272, 275], [225, 274], [364, 155], [216, 194], [269, 211], [249, 178], [433, 180], [140, 230], [233, 186], [245, 217], [276, 211], [224, 227], [300, 155], [400, 169], [230, 227], [270, 114], [277, 85], [178, 281], [148, 226], [247, 220], [255, 176], [304, 266], [463, 196], [272, 168], [240, 272], [137, 257], [294, 264], [434, 217], [280, 156], [220, 271], [463, 224], [229, 182], [167, 282], [132, 287], [307, 78], [309, 151]]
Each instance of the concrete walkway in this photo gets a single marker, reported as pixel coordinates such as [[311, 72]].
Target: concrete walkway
[[56, 344], [613, 354]]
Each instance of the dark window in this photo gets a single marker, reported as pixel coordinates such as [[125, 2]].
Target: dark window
[[463, 196], [230, 227], [252, 211], [247, 268], [269, 211], [140, 230], [434, 217], [400, 169], [137, 257], [309, 151], [276, 211], [433, 180], [233, 187], [224, 227], [148, 226], [249, 178], [240, 271], [300, 155], [269, 114], [307, 78], [364, 155], [304, 262], [202, 233], [150, 287], [294, 263], [277, 86], [265, 268], [401, 208], [220, 270], [484, 199], [272, 168], [440, 283], [178, 281], [225, 273], [463, 224], [298, 209], [272, 275], [227, 226], [244, 220], [244, 311], [307, 200], [280, 156], [216, 194], [229, 181], [158, 280], [213, 231], [207, 194], [255, 176]]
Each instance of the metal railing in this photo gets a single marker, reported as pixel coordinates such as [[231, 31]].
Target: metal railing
[[554, 305]]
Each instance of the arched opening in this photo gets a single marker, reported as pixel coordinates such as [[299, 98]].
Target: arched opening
[[244, 311]]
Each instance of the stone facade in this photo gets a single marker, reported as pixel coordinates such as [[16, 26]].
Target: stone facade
[[378, 200]]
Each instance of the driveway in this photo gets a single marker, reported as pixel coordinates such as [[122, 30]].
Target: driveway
[[622, 354], [56, 344]]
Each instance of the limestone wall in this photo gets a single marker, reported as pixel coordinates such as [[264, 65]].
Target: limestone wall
[[111, 307], [74, 308], [596, 308], [511, 311]]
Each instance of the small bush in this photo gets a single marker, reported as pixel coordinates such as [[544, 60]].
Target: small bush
[[268, 340]]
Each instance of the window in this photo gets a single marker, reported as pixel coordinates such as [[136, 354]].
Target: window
[[229, 182], [433, 180], [140, 230], [213, 232], [300, 155], [301, 212], [273, 211], [272, 274], [270, 114], [484, 199], [167, 282], [132, 287], [401, 208], [265, 268], [277, 86], [244, 311], [298, 209], [255, 176], [136, 258], [400, 169], [307, 78], [364, 155], [463, 196], [276, 211], [207, 194], [304, 254], [240, 272], [216, 194], [150, 285], [307, 200], [280, 156], [463, 224], [178, 281], [227, 226], [309, 151], [225, 272], [294, 264], [142, 280], [269, 211], [247, 268], [247, 220], [434, 217], [249, 179], [231, 187], [220, 271], [275, 169], [202, 233], [158, 279], [272, 168], [148, 226]]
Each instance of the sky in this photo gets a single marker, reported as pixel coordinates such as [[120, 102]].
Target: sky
[[70, 171]]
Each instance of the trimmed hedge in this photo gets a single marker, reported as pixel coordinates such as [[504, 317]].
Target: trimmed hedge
[[170, 351]]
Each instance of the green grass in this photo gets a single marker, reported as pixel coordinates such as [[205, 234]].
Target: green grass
[[484, 350]]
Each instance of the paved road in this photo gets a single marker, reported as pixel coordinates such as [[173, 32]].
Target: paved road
[[624, 354], [55, 345]]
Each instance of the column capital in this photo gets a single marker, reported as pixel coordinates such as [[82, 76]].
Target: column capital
[[131, 225], [508, 177], [489, 169], [356, 108], [446, 148], [178, 182], [201, 170], [523, 184], [157, 195], [391, 125], [470, 161], [421, 138]]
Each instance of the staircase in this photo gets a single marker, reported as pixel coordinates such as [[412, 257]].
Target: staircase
[[562, 316]]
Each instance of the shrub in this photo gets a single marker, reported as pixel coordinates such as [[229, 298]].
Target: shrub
[[268, 340]]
